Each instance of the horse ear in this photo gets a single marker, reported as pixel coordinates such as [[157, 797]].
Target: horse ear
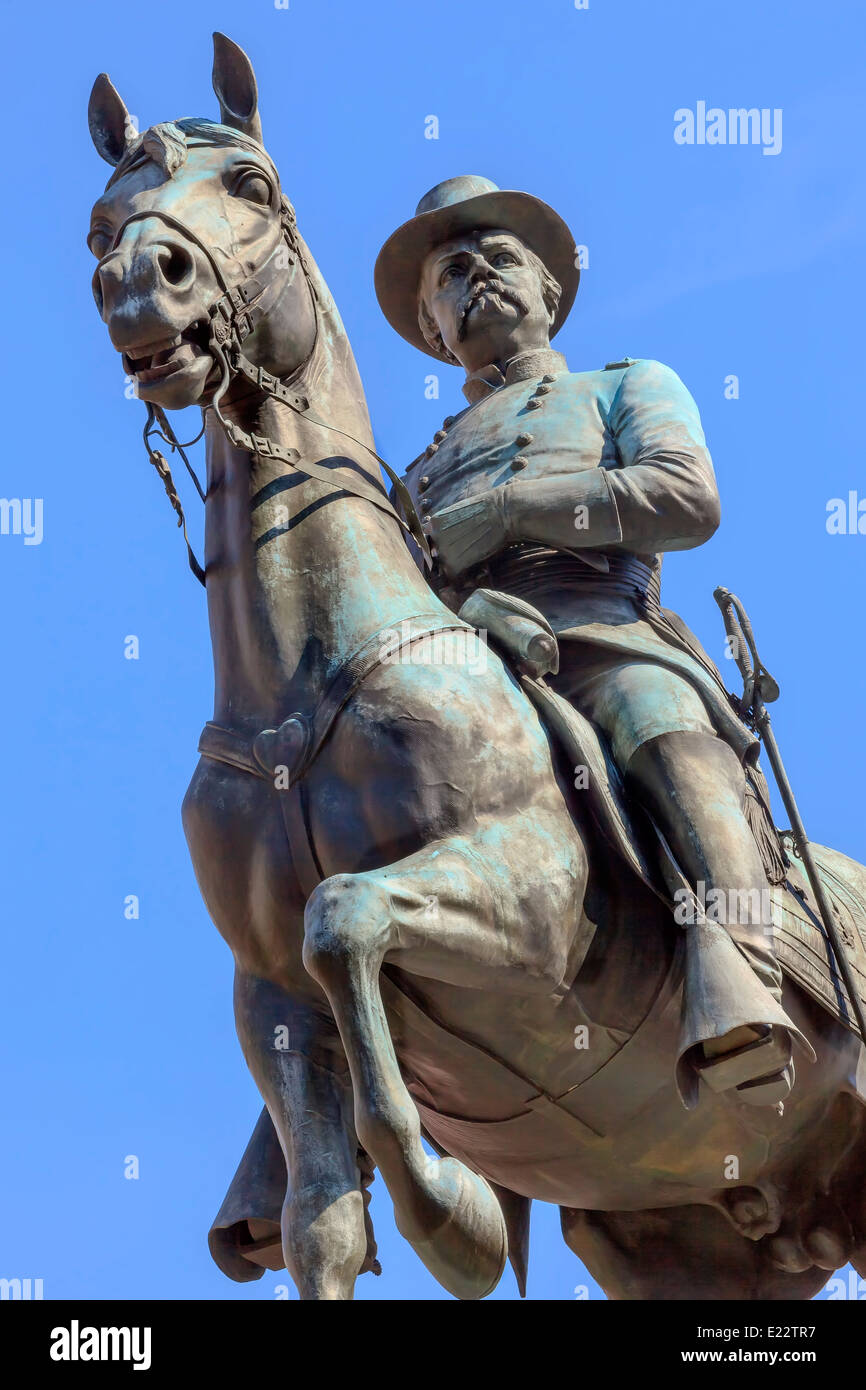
[[235, 85], [108, 119]]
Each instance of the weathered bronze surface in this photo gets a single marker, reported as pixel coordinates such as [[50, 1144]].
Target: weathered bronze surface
[[449, 872]]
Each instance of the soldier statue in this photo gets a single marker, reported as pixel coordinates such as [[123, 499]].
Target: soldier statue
[[565, 489]]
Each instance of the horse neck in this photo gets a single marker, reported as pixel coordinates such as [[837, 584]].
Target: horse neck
[[298, 574]]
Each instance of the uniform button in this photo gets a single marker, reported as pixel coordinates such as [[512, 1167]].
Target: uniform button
[[548, 377], [523, 439], [543, 390], [431, 450], [448, 422], [534, 404], [518, 462], [439, 436], [423, 483]]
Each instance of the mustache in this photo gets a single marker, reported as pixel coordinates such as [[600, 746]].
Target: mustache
[[506, 294]]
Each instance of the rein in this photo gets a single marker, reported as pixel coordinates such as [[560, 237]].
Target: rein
[[233, 317]]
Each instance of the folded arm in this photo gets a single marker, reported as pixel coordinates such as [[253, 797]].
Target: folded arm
[[664, 495]]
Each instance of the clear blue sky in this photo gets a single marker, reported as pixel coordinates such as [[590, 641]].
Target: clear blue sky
[[117, 1035]]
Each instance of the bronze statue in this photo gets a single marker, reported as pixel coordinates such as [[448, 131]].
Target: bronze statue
[[568, 507], [440, 929]]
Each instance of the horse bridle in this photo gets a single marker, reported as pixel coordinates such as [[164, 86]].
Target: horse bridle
[[233, 317]]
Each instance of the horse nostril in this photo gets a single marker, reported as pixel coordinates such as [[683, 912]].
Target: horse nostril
[[175, 263], [97, 291]]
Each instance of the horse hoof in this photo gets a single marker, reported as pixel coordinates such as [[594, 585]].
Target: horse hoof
[[467, 1250], [753, 1211], [826, 1248], [787, 1254]]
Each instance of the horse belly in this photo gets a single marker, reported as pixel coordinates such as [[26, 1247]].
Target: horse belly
[[663, 1157], [538, 1116]]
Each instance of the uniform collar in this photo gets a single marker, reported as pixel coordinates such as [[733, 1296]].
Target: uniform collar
[[527, 366]]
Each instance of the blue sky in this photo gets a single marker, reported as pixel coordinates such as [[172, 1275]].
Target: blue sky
[[718, 260]]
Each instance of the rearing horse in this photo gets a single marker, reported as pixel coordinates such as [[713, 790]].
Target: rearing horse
[[422, 923]]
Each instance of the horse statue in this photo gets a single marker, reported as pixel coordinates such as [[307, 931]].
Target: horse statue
[[445, 969]]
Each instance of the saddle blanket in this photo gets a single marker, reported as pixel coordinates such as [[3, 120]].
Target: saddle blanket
[[800, 941]]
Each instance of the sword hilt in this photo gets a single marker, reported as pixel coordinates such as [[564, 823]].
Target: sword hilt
[[757, 680], [760, 687]]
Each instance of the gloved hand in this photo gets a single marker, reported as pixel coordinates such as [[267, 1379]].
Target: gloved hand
[[468, 532]]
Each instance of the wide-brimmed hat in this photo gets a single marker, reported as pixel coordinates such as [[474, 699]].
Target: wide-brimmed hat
[[460, 205]]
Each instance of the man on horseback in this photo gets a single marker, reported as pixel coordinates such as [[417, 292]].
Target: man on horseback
[[564, 490]]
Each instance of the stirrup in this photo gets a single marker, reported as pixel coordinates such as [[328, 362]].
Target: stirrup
[[768, 1090], [752, 1067]]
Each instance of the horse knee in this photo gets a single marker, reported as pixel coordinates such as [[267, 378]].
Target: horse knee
[[344, 922]]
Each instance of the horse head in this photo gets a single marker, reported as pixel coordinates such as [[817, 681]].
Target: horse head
[[194, 212]]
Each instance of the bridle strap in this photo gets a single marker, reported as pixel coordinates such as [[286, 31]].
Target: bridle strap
[[272, 386], [233, 317], [160, 463], [179, 226]]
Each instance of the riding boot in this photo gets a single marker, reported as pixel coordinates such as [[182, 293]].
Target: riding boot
[[735, 1033]]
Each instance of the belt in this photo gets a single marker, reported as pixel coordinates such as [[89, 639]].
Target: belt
[[522, 569], [283, 756]]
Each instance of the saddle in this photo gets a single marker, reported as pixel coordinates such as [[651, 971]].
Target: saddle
[[528, 644]]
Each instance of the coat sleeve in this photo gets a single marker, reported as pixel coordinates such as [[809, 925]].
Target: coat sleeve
[[665, 492], [663, 495]]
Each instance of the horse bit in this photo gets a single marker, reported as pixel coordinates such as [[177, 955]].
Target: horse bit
[[233, 317]]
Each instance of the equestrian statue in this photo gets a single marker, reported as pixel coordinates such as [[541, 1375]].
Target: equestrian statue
[[484, 830]]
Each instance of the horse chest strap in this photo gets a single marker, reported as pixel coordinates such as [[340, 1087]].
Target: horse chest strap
[[283, 756], [280, 753], [296, 819], [287, 753], [275, 755]]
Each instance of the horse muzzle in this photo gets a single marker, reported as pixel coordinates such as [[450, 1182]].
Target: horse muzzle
[[153, 296], [173, 371]]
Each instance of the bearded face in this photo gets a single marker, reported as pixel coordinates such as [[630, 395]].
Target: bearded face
[[483, 296]]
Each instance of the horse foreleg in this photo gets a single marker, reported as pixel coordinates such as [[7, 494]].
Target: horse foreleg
[[436, 915], [296, 1060]]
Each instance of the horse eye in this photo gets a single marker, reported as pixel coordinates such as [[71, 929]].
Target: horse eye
[[99, 242], [254, 187]]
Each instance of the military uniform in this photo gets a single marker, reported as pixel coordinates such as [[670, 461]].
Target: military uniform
[[564, 489], [629, 441]]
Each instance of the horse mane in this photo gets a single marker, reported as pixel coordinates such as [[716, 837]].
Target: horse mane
[[332, 372], [168, 141]]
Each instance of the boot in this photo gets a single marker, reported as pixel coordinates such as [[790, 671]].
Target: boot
[[735, 1034]]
